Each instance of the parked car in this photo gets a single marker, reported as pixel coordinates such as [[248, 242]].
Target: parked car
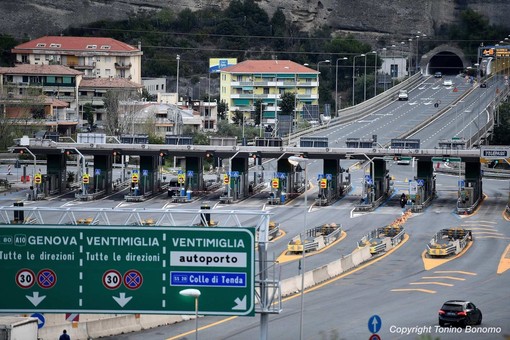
[[459, 312], [438, 75], [402, 95], [447, 82]]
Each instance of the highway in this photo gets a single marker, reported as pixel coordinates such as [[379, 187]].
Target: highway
[[397, 286]]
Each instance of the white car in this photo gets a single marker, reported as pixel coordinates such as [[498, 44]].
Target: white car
[[402, 95], [447, 82]]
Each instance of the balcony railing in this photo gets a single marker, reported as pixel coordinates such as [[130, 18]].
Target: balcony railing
[[122, 66]]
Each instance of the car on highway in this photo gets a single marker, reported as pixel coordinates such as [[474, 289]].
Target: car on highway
[[438, 75], [459, 312], [403, 95], [447, 82]]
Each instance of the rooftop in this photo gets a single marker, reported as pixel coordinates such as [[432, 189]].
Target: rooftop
[[56, 43], [268, 66], [39, 70], [109, 83]]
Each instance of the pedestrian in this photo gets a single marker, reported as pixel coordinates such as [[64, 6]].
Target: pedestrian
[[64, 336]]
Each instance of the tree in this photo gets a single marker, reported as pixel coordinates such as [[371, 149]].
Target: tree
[[238, 117], [288, 103], [222, 109], [88, 114], [258, 106], [115, 123]]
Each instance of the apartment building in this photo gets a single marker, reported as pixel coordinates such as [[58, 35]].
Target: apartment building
[[96, 57], [41, 95], [243, 84]]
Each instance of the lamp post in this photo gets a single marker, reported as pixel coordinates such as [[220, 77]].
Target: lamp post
[[410, 56], [402, 43], [322, 61], [375, 72], [178, 58], [260, 119], [365, 80], [354, 75], [418, 49], [295, 161], [336, 84], [195, 293], [393, 67], [384, 63]]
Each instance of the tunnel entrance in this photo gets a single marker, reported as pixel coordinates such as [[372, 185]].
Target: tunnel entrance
[[446, 62]]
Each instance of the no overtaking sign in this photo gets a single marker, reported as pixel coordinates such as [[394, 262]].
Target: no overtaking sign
[[126, 269]]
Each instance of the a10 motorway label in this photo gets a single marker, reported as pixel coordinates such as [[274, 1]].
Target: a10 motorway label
[[107, 269]]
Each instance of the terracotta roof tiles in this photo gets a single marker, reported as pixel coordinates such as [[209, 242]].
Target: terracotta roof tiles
[[56, 43], [109, 83], [268, 66], [39, 69]]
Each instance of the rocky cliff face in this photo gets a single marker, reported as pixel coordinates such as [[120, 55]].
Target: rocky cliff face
[[383, 17]]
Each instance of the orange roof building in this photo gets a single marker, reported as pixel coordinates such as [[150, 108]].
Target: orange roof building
[[241, 85], [96, 57]]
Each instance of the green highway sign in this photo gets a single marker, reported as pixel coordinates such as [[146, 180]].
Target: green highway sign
[[446, 159], [119, 269]]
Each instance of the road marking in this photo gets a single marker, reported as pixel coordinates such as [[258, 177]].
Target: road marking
[[413, 290], [430, 263], [443, 277], [341, 276], [432, 283], [454, 272], [504, 263]]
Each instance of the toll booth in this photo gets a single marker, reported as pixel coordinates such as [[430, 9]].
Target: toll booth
[[426, 182], [405, 143], [332, 182], [178, 140], [452, 144], [470, 189], [282, 183], [101, 177], [56, 174]]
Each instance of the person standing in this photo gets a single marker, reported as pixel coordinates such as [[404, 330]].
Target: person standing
[[64, 336]]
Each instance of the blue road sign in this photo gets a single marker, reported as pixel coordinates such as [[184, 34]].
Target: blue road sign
[[320, 176], [374, 324], [179, 172], [208, 279], [234, 173], [368, 178], [145, 172], [97, 172], [189, 173], [461, 183], [40, 319], [135, 171], [329, 177], [420, 182], [281, 175]]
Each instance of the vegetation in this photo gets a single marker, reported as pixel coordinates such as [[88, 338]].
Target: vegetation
[[501, 134]]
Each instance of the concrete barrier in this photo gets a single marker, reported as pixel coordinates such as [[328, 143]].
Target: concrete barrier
[[320, 274], [114, 325], [151, 321]]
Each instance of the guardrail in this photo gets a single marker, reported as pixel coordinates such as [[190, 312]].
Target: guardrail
[[447, 242]]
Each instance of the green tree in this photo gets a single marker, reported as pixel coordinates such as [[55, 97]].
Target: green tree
[[258, 108], [501, 134], [288, 103], [222, 109]]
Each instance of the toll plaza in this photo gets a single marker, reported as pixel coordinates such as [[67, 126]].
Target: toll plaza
[[286, 182]]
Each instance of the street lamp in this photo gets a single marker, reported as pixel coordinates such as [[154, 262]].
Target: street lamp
[[384, 63], [195, 293], [336, 84], [295, 161], [393, 67], [402, 43], [260, 119], [177, 86], [375, 72], [410, 55], [354, 75], [418, 49], [322, 61], [365, 80]]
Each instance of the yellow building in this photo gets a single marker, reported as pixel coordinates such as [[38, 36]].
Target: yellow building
[[243, 84]]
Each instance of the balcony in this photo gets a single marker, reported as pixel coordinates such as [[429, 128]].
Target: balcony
[[90, 66], [122, 66]]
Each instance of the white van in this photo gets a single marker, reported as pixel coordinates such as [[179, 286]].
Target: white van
[[402, 95]]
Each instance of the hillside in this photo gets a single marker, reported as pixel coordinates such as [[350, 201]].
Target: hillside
[[34, 18]]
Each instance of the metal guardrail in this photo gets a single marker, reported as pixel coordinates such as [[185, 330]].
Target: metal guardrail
[[447, 242], [380, 235]]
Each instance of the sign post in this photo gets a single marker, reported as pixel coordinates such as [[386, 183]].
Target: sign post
[[107, 269]]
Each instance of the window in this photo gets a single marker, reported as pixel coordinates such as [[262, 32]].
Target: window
[[37, 57], [105, 47], [99, 116], [91, 47], [55, 45], [266, 90], [107, 72], [41, 45]]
